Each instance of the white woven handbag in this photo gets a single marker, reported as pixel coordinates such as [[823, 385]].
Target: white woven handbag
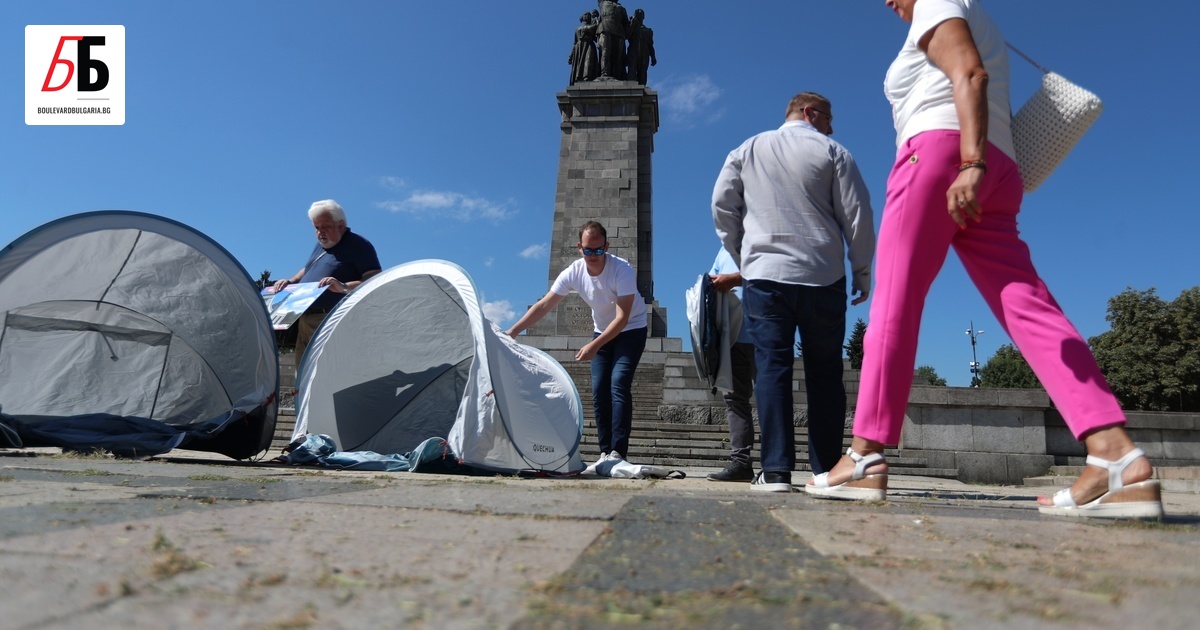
[[1050, 124]]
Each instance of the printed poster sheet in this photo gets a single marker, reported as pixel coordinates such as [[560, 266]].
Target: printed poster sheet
[[289, 304]]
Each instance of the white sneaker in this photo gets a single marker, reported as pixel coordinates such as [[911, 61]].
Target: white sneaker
[[772, 482], [615, 457], [592, 467]]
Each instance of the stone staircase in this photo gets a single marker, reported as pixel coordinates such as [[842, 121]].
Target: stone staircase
[[1173, 478], [707, 446], [653, 440], [647, 392], [670, 444], [284, 424]]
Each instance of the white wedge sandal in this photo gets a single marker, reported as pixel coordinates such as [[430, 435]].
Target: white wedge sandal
[[1136, 500], [860, 486]]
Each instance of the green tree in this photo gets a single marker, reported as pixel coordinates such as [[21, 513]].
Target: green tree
[[854, 347], [1185, 312], [1151, 353], [1007, 368], [929, 375], [264, 280]]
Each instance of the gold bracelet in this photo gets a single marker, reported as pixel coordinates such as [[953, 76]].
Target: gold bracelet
[[972, 164]]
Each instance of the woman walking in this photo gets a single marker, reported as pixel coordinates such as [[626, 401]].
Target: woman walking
[[955, 184]]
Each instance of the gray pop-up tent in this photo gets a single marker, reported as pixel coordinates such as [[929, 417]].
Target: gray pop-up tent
[[409, 356], [136, 334]]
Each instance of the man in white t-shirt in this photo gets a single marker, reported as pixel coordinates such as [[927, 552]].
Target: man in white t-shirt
[[608, 285]]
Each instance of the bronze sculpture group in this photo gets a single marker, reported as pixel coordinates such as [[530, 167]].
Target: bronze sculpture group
[[611, 46]]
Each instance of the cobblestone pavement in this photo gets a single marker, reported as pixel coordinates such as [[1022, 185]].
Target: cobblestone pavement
[[180, 541]]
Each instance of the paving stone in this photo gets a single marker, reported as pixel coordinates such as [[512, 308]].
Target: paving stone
[[191, 540], [670, 560]]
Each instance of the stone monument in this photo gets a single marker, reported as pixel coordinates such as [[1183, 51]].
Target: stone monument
[[604, 174]]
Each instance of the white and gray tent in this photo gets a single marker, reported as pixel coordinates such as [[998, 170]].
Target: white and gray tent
[[409, 355], [132, 333]]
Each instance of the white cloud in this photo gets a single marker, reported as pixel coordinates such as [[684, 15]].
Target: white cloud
[[499, 312], [394, 183], [440, 203], [690, 98], [534, 252]]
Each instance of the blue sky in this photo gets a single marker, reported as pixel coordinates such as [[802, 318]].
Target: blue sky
[[435, 125]]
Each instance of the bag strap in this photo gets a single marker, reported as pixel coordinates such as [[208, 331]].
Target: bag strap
[[1026, 58]]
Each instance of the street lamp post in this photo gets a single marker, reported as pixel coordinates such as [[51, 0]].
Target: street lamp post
[[975, 381]]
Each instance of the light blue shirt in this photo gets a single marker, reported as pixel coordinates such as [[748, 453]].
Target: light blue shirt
[[724, 264]]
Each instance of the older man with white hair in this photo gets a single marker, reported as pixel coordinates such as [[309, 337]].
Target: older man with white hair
[[341, 260]]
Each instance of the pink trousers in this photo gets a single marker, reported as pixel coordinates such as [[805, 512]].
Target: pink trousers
[[914, 238]]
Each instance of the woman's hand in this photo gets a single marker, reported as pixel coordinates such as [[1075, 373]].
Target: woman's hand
[[962, 200]]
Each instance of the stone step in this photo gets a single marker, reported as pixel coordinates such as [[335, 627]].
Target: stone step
[[1160, 472], [898, 467], [714, 452], [940, 473], [673, 428], [1173, 478], [716, 440], [682, 445], [801, 467], [285, 422], [1049, 481]]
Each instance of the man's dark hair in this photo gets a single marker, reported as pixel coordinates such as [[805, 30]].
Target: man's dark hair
[[593, 226]]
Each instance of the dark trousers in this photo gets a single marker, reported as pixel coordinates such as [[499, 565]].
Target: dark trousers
[[775, 312], [738, 412], [612, 388]]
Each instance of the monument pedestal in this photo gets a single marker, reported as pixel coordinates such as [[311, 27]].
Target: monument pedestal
[[604, 175]]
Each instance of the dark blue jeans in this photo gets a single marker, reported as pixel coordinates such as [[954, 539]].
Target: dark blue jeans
[[775, 312], [612, 388]]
